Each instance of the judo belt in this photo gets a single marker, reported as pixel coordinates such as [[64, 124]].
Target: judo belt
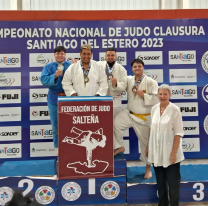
[[141, 116], [61, 94]]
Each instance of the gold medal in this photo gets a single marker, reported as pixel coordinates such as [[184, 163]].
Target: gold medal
[[110, 76], [144, 91], [134, 89], [86, 79]]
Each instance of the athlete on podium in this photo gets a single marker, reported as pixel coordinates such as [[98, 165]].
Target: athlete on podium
[[86, 77], [142, 95], [51, 77], [117, 78]]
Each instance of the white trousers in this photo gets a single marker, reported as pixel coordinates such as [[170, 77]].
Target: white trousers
[[123, 121], [116, 110]]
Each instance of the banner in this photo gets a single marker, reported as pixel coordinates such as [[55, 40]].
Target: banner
[[85, 137], [174, 52]]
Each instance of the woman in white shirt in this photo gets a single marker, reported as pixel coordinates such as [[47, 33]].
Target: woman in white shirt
[[164, 149]]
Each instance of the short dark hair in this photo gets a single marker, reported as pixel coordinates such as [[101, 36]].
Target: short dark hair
[[111, 49], [19, 200], [137, 61], [59, 49]]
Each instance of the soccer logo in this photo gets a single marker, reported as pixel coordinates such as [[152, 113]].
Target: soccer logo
[[110, 190], [6, 194], [45, 195], [71, 191]]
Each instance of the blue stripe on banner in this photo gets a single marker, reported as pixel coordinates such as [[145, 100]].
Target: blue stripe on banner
[[85, 98]]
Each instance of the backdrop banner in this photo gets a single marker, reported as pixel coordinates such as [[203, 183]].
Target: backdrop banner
[[174, 52], [85, 137]]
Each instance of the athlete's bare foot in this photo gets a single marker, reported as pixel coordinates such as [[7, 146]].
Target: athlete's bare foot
[[148, 173], [119, 150]]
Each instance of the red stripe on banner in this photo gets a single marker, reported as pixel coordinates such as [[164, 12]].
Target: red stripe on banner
[[103, 15]]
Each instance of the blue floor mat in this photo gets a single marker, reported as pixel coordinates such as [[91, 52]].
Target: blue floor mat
[[28, 168], [188, 173]]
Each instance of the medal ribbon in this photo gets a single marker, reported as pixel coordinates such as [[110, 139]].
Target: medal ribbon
[[140, 79], [88, 70], [108, 69]]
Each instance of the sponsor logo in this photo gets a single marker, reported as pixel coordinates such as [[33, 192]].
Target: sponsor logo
[[9, 133], [35, 113], [34, 79], [156, 74], [110, 190], [206, 124], [42, 149], [205, 93], [40, 59], [45, 195], [150, 57], [44, 113], [72, 56], [204, 61], [40, 132], [7, 150], [6, 194], [182, 75], [35, 95], [10, 96], [39, 150], [188, 108], [10, 79], [39, 113], [38, 95], [182, 57], [121, 57], [10, 150], [10, 60], [8, 114], [70, 59], [184, 92], [71, 191], [191, 127], [190, 145]]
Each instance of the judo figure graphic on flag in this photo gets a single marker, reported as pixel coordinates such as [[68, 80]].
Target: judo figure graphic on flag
[[90, 140]]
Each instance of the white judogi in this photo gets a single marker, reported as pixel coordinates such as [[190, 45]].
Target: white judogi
[[137, 105], [119, 72], [73, 80]]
